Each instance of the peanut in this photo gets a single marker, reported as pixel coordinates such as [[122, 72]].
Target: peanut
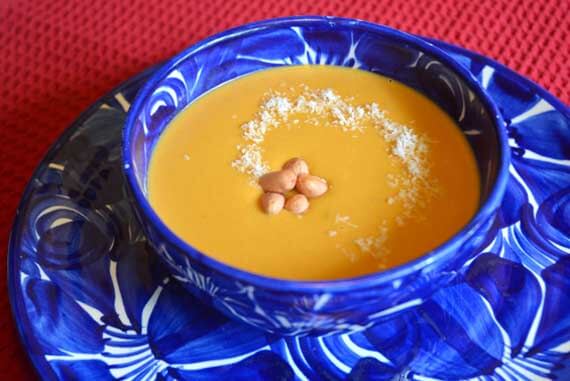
[[297, 165], [297, 204], [311, 186], [278, 182], [272, 203]]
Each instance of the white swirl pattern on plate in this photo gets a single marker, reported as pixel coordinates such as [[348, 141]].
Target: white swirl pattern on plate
[[112, 312], [314, 312]]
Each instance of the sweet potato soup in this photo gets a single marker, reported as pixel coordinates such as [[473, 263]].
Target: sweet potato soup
[[385, 175]]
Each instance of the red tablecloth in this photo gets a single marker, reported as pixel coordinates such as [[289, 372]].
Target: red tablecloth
[[59, 56]]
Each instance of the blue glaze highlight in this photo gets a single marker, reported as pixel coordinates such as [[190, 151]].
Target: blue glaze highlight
[[109, 309], [292, 307]]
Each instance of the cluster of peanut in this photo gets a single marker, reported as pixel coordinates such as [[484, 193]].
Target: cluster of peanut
[[294, 175]]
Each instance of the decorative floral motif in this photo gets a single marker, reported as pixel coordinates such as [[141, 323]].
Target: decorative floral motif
[[312, 40], [93, 302]]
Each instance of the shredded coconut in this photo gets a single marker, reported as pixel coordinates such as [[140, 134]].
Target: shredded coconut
[[349, 254], [374, 244], [316, 106], [251, 161], [365, 244], [276, 108], [345, 220]]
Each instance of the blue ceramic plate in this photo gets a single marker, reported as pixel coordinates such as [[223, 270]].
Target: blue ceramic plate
[[110, 311]]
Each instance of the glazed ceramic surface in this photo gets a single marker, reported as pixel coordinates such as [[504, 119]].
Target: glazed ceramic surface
[[93, 302], [293, 307]]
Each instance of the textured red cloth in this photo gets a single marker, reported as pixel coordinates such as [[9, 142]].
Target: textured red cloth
[[59, 56]]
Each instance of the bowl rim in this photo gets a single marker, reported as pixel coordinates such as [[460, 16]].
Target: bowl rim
[[444, 250]]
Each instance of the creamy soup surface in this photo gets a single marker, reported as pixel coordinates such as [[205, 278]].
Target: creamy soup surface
[[401, 176]]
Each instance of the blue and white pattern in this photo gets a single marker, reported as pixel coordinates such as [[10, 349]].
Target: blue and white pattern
[[107, 309], [315, 308]]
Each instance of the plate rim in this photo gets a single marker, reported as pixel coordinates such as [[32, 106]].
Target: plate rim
[[17, 222], [15, 303]]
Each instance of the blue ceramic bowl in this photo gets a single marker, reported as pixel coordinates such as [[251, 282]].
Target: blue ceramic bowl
[[292, 307]]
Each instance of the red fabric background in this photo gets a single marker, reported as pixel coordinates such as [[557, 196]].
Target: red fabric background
[[59, 56]]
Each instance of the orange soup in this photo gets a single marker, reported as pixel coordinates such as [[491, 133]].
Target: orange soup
[[401, 176]]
